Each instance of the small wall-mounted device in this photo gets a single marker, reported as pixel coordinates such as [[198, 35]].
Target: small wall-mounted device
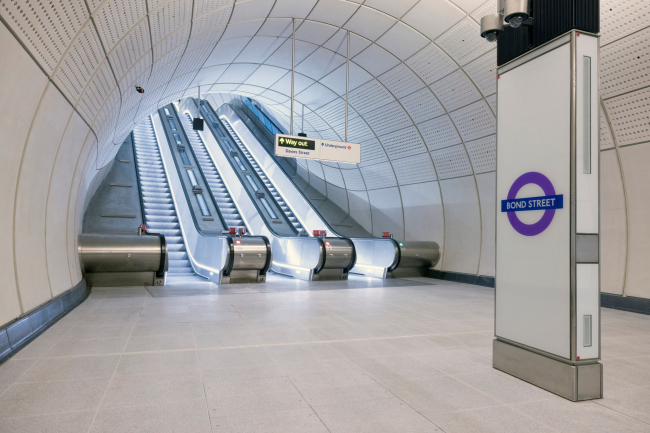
[[139, 89]]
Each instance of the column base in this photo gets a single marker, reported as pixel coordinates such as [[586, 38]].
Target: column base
[[573, 382]]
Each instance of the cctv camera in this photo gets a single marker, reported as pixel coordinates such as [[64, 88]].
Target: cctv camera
[[516, 12], [139, 89], [491, 27]]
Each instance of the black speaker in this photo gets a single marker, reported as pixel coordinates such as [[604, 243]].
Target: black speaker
[[197, 124]]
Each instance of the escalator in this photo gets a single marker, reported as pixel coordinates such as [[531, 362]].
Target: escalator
[[267, 212], [375, 257], [159, 210]]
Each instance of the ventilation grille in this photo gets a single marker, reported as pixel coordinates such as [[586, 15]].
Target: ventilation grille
[[475, 121], [483, 153], [483, 72], [333, 176], [353, 180], [431, 64], [369, 96], [404, 142], [462, 43], [414, 169], [439, 132], [629, 117], [400, 81], [451, 162], [455, 91], [387, 118], [378, 176], [625, 64]]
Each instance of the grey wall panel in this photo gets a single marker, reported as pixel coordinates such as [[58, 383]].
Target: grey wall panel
[[487, 192], [387, 213], [613, 225], [462, 225], [637, 178]]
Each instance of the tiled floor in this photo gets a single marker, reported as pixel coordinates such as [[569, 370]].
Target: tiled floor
[[288, 356]]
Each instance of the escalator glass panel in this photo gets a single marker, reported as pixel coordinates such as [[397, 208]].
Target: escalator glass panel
[[203, 205], [268, 209]]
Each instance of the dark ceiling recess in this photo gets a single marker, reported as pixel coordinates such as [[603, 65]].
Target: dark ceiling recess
[[551, 18]]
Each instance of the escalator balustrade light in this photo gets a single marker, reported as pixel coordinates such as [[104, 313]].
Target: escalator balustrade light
[[167, 112], [172, 125], [203, 205], [178, 140], [268, 209], [186, 160]]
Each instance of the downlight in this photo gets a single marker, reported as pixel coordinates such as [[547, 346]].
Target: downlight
[[491, 27], [516, 12]]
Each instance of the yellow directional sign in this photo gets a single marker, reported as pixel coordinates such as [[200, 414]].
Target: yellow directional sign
[[317, 148], [288, 141]]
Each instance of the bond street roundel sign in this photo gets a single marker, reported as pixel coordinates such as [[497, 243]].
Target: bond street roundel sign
[[549, 202]]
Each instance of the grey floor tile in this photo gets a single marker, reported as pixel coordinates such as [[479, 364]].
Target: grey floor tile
[[160, 342], [455, 362], [585, 417], [231, 397], [180, 362], [217, 374], [403, 367], [158, 329], [71, 368], [332, 388], [365, 348], [93, 332], [189, 416], [387, 415], [39, 398], [293, 353], [152, 389], [87, 347], [632, 402], [226, 339], [237, 357], [501, 419], [69, 422], [288, 421], [433, 343], [13, 369], [504, 388]]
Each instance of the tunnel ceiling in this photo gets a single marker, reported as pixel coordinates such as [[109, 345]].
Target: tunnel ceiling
[[422, 82]]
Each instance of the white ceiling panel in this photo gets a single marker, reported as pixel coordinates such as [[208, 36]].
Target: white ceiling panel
[[391, 7], [169, 17], [463, 43], [274, 96], [336, 79], [212, 22], [455, 91], [250, 10], [369, 97], [451, 162], [439, 132], [469, 5], [333, 176], [353, 180], [483, 72], [483, 154], [115, 19], [402, 143], [606, 140], [333, 113], [292, 8], [226, 51], [431, 64], [414, 169], [282, 56], [335, 12], [378, 176], [202, 7], [250, 90], [625, 64], [376, 60], [265, 76], [320, 63], [475, 121], [259, 49], [314, 32], [488, 7], [242, 29], [401, 81], [422, 105], [369, 23], [492, 100], [402, 41], [433, 17], [279, 27], [174, 41], [208, 75], [283, 85], [387, 119], [620, 18], [316, 96], [372, 152], [629, 117], [339, 43], [237, 73]]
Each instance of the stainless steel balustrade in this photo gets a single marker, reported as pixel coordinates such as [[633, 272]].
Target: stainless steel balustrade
[[375, 257], [307, 258], [118, 260]]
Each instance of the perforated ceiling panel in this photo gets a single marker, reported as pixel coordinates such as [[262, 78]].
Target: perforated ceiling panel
[[625, 64], [401, 81], [422, 105], [414, 169], [353, 180], [483, 154], [378, 176], [629, 117], [387, 118], [460, 42], [439, 132], [455, 91], [451, 162], [404, 142], [431, 64], [475, 121], [619, 18], [482, 72], [606, 140], [369, 96], [333, 176]]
